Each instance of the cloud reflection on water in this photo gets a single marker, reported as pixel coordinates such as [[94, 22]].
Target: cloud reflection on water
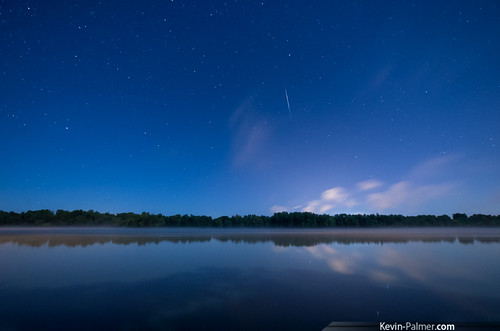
[[447, 268]]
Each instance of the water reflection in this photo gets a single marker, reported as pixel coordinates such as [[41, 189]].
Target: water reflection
[[245, 279], [445, 268], [73, 237]]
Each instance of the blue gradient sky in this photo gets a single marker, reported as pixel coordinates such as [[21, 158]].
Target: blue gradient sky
[[180, 106]]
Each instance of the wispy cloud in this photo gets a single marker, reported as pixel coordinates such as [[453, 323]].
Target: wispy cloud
[[407, 194], [336, 194], [250, 133], [369, 184], [433, 168], [394, 196], [331, 198]]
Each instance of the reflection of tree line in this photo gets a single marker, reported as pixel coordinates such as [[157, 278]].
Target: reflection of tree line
[[283, 240], [80, 217]]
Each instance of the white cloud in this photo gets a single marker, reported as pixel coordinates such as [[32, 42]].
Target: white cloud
[[336, 194], [331, 198], [312, 206], [325, 208], [404, 194], [394, 196], [433, 168], [369, 184], [423, 186]]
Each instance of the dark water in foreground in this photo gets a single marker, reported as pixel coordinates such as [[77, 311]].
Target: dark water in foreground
[[229, 279]]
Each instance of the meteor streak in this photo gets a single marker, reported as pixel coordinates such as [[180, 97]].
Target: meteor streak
[[288, 103]]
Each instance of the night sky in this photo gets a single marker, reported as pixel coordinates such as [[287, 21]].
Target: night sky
[[250, 107]]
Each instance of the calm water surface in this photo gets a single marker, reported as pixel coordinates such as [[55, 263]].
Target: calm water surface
[[180, 278]]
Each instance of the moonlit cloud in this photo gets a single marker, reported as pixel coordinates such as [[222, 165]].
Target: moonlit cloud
[[331, 198], [394, 196], [312, 206], [325, 208], [336, 194], [369, 184], [421, 186], [405, 194], [433, 168], [250, 133]]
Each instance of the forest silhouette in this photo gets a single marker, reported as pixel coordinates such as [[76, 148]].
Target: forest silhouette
[[45, 217]]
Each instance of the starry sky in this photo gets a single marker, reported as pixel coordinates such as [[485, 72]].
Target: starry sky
[[250, 107]]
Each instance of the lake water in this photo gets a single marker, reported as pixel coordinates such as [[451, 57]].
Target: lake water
[[252, 279]]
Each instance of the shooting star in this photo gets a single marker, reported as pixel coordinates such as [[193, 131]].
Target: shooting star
[[288, 103]]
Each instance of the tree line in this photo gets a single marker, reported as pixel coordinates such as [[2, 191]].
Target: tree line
[[45, 217]]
